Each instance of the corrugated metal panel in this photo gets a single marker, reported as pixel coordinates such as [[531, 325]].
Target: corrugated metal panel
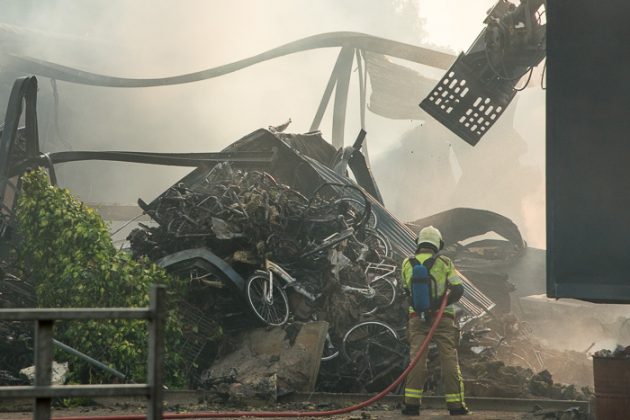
[[474, 303]]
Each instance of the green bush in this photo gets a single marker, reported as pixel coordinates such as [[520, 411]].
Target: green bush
[[66, 248]]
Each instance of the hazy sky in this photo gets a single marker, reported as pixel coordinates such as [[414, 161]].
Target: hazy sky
[[453, 23]]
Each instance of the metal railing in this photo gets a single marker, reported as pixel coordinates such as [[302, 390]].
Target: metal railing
[[42, 390]]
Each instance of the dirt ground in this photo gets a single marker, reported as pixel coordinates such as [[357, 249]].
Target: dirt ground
[[187, 404], [358, 415], [378, 412]]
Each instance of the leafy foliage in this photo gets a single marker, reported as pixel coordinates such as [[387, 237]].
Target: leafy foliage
[[67, 250]]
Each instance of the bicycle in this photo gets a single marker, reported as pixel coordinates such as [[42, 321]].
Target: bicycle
[[381, 288], [371, 356], [268, 299], [376, 353]]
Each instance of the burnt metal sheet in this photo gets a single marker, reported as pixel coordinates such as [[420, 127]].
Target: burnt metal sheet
[[588, 98], [395, 88], [312, 145], [16, 143], [351, 157], [463, 223], [207, 256], [315, 147]]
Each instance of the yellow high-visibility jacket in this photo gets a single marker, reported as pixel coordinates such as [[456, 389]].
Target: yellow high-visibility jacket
[[443, 271]]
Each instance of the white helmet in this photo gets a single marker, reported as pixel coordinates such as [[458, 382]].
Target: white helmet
[[430, 236]]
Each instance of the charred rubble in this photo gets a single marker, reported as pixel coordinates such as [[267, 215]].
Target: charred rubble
[[328, 235], [248, 218], [501, 356], [225, 226], [284, 204]]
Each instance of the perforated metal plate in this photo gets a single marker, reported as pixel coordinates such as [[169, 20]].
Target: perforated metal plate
[[463, 105]]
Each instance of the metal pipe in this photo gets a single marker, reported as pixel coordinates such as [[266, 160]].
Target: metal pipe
[[90, 360]]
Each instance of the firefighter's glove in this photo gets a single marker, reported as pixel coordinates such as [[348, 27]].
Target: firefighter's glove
[[456, 292]]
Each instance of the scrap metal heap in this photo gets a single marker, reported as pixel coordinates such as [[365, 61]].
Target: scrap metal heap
[[323, 243], [247, 218], [327, 242]]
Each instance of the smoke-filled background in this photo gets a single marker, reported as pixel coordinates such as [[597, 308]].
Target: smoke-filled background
[[421, 167]]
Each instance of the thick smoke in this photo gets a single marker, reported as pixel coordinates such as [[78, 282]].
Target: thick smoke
[[503, 173], [154, 38]]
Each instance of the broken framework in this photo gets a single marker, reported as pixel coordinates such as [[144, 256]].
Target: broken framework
[[262, 149]]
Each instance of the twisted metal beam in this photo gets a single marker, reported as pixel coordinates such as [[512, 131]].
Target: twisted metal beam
[[327, 40]]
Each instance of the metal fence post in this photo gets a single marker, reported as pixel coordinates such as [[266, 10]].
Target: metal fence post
[[43, 366], [155, 369], [44, 318]]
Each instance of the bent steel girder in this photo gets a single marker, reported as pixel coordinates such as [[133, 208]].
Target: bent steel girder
[[327, 40], [23, 94], [459, 224], [16, 144], [149, 158]]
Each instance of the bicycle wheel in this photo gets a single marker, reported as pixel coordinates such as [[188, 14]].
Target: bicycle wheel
[[330, 351], [376, 352], [384, 296], [378, 243], [367, 336], [358, 209], [271, 308]]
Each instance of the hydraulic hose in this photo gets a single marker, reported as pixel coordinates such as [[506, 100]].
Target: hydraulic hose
[[372, 400]]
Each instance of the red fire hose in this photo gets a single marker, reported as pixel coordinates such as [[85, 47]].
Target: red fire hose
[[202, 415]]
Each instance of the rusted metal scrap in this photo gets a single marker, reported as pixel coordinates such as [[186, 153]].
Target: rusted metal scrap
[[324, 243], [248, 217]]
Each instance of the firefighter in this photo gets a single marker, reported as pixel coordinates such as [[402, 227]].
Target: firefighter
[[442, 275]]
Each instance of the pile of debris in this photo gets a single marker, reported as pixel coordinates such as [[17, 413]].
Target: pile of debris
[[247, 217], [321, 256], [500, 355], [322, 250], [328, 242]]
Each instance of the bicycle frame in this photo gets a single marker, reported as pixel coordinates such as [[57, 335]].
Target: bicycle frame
[[290, 281], [380, 271], [374, 272], [330, 241], [368, 291]]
